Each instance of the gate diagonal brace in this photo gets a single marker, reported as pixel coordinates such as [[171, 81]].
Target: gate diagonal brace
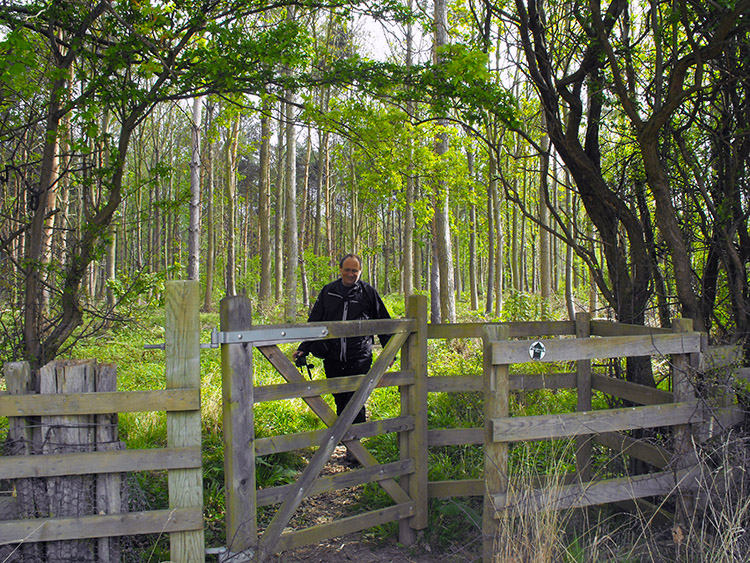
[[334, 434], [267, 336]]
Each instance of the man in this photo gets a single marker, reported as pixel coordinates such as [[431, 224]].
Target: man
[[346, 299]]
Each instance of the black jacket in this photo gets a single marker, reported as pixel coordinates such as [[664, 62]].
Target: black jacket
[[337, 302]]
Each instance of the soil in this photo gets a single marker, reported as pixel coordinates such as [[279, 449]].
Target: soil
[[361, 546]]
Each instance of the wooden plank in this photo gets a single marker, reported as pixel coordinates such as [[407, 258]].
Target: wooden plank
[[542, 427], [182, 347], [515, 329], [109, 525], [413, 444], [63, 404], [317, 387], [315, 534], [269, 539], [650, 453], [594, 493], [86, 463], [455, 436], [454, 383], [532, 381], [496, 405], [609, 328], [342, 480], [634, 392], [311, 438], [517, 382], [238, 416], [720, 420], [451, 489], [572, 349], [721, 356]]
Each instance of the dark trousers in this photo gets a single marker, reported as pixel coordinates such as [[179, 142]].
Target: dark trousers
[[336, 368]]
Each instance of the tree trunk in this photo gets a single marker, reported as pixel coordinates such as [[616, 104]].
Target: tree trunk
[[290, 215], [304, 220], [231, 184], [279, 216], [473, 293], [194, 224], [210, 220], [408, 252], [545, 283], [497, 274], [264, 207], [442, 207]]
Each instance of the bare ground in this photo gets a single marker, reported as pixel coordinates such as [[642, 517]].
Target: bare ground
[[362, 547]]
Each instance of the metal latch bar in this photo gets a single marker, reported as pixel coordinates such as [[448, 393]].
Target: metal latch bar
[[267, 336]]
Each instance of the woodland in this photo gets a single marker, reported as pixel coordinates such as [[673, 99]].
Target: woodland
[[594, 155]]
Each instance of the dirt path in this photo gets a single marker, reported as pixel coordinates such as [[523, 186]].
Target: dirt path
[[358, 547]]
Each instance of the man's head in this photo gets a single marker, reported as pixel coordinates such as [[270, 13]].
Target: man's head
[[350, 268]]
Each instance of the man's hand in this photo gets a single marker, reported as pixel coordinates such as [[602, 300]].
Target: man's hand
[[300, 358]]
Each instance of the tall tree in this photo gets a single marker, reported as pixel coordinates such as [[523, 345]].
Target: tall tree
[[291, 241], [443, 245], [194, 230], [264, 205], [230, 162]]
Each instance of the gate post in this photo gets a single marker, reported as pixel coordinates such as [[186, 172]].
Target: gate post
[[684, 454], [239, 432], [183, 371], [413, 444], [583, 383], [496, 405]]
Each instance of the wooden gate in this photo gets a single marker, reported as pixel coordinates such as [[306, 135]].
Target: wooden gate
[[237, 339]]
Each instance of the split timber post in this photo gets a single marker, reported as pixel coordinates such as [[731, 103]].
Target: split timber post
[[413, 444], [239, 432], [583, 384], [683, 366], [182, 347], [496, 405]]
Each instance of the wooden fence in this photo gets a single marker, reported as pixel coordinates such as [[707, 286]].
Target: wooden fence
[[505, 344], [405, 480], [26, 409]]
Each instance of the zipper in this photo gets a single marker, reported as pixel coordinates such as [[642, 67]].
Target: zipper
[[343, 340]]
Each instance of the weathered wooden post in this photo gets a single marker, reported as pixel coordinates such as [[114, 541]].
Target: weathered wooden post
[[583, 383], [24, 438], [239, 432], [684, 451], [496, 405], [71, 495], [182, 347], [413, 444], [108, 485]]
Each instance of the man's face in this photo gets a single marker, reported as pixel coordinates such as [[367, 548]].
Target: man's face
[[350, 271]]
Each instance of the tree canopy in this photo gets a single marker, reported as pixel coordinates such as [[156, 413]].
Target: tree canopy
[[592, 154]]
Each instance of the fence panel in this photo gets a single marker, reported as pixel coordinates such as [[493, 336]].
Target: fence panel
[[95, 414]]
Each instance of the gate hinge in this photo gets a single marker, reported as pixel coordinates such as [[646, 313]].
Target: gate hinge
[[267, 336]]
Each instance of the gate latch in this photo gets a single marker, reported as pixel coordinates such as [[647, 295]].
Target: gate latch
[[267, 336]]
